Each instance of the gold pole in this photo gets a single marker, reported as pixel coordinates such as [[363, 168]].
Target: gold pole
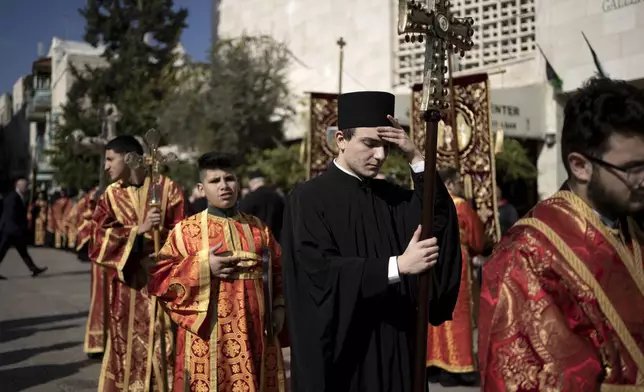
[[341, 43], [452, 115]]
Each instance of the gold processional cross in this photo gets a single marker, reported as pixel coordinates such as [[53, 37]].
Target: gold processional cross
[[433, 22]]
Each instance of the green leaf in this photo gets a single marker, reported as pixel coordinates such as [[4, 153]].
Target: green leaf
[[237, 103], [137, 78], [513, 163]]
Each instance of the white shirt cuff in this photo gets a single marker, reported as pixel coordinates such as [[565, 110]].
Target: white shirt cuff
[[418, 167], [393, 274]]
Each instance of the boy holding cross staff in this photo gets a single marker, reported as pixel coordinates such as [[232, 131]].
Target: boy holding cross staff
[[125, 220]]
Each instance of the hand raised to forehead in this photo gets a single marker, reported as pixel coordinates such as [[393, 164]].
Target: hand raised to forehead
[[397, 136]]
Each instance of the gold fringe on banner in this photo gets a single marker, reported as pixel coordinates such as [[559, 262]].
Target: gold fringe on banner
[[303, 145], [498, 141], [468, 188]]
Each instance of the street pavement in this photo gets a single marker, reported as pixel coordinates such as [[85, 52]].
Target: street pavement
[[42, 325]]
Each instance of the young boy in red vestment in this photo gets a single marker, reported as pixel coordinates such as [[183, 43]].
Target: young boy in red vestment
[[209, 276], [563, 293]]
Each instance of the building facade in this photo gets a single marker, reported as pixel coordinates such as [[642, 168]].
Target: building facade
[[15, 133], [6, 111], [614, 29], [311, 29], [507, 38]]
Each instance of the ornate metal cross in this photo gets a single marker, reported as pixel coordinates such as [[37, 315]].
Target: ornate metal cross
[[153, 162], [341, 44], [433, 23]]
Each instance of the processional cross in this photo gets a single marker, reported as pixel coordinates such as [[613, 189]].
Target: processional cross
[[442, 32], [153, 162]]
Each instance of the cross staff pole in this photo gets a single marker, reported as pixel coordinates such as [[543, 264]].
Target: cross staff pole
[[341, 43], [153, 161], [434, 23]]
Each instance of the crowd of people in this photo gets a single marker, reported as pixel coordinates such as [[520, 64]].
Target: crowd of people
[[204, 298]]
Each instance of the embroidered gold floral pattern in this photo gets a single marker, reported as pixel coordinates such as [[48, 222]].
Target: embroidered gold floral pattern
[[221, 320], [132, 358], [199, 348], [542, 327]]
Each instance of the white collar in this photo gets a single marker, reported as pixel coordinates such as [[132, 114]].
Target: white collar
[[345, 170]]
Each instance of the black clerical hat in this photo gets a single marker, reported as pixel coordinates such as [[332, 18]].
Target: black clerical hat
[[365, 109], [255, 174]]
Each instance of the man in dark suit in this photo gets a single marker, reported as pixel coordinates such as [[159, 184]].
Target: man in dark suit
[[14, 228], [263, 202]]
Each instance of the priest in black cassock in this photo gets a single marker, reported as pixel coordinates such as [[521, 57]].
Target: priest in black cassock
[[351, 259]]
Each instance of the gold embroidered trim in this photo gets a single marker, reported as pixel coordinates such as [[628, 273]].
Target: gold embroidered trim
[[621, 388], [127, 368], [164, 200], [178, 237], [120, 266], [204, 274], [586, 275], [632, 260]]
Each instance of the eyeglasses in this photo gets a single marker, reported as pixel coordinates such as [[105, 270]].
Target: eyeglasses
[[634, 174]]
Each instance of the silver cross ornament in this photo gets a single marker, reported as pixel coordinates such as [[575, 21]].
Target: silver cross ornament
[[152, 161], [442, 32]]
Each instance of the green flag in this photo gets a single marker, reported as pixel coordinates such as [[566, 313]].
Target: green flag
[[600, 69], [551, 75]]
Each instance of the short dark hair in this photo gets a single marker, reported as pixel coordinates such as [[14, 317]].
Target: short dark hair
[[449, 174], [215, 160], [348, 133], [124, 144], [596, 111]]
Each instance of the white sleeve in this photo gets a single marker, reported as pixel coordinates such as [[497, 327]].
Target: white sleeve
[[393, 274], [418, 167]]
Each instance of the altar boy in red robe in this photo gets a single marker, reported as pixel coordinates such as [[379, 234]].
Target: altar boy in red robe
[[563, 293], [209, 277]]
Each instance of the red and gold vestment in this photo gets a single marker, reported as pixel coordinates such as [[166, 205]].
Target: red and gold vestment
[[562, 304], [220, 344], [450, 346], [133, 359]]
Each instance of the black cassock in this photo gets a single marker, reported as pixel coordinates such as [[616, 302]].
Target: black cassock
[[350, 329]]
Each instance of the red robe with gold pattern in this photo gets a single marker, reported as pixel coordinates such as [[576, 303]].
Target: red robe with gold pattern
[[450, 345], [220, 344], [133, 359], [56, 221], [72, 221], [85, 222], [37, 217], [562, 304], [96, 327]]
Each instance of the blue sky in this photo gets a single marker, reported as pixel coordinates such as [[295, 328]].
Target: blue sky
[[25, 23]]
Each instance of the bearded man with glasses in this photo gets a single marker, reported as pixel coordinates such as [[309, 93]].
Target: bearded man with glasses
[[563, 294]]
